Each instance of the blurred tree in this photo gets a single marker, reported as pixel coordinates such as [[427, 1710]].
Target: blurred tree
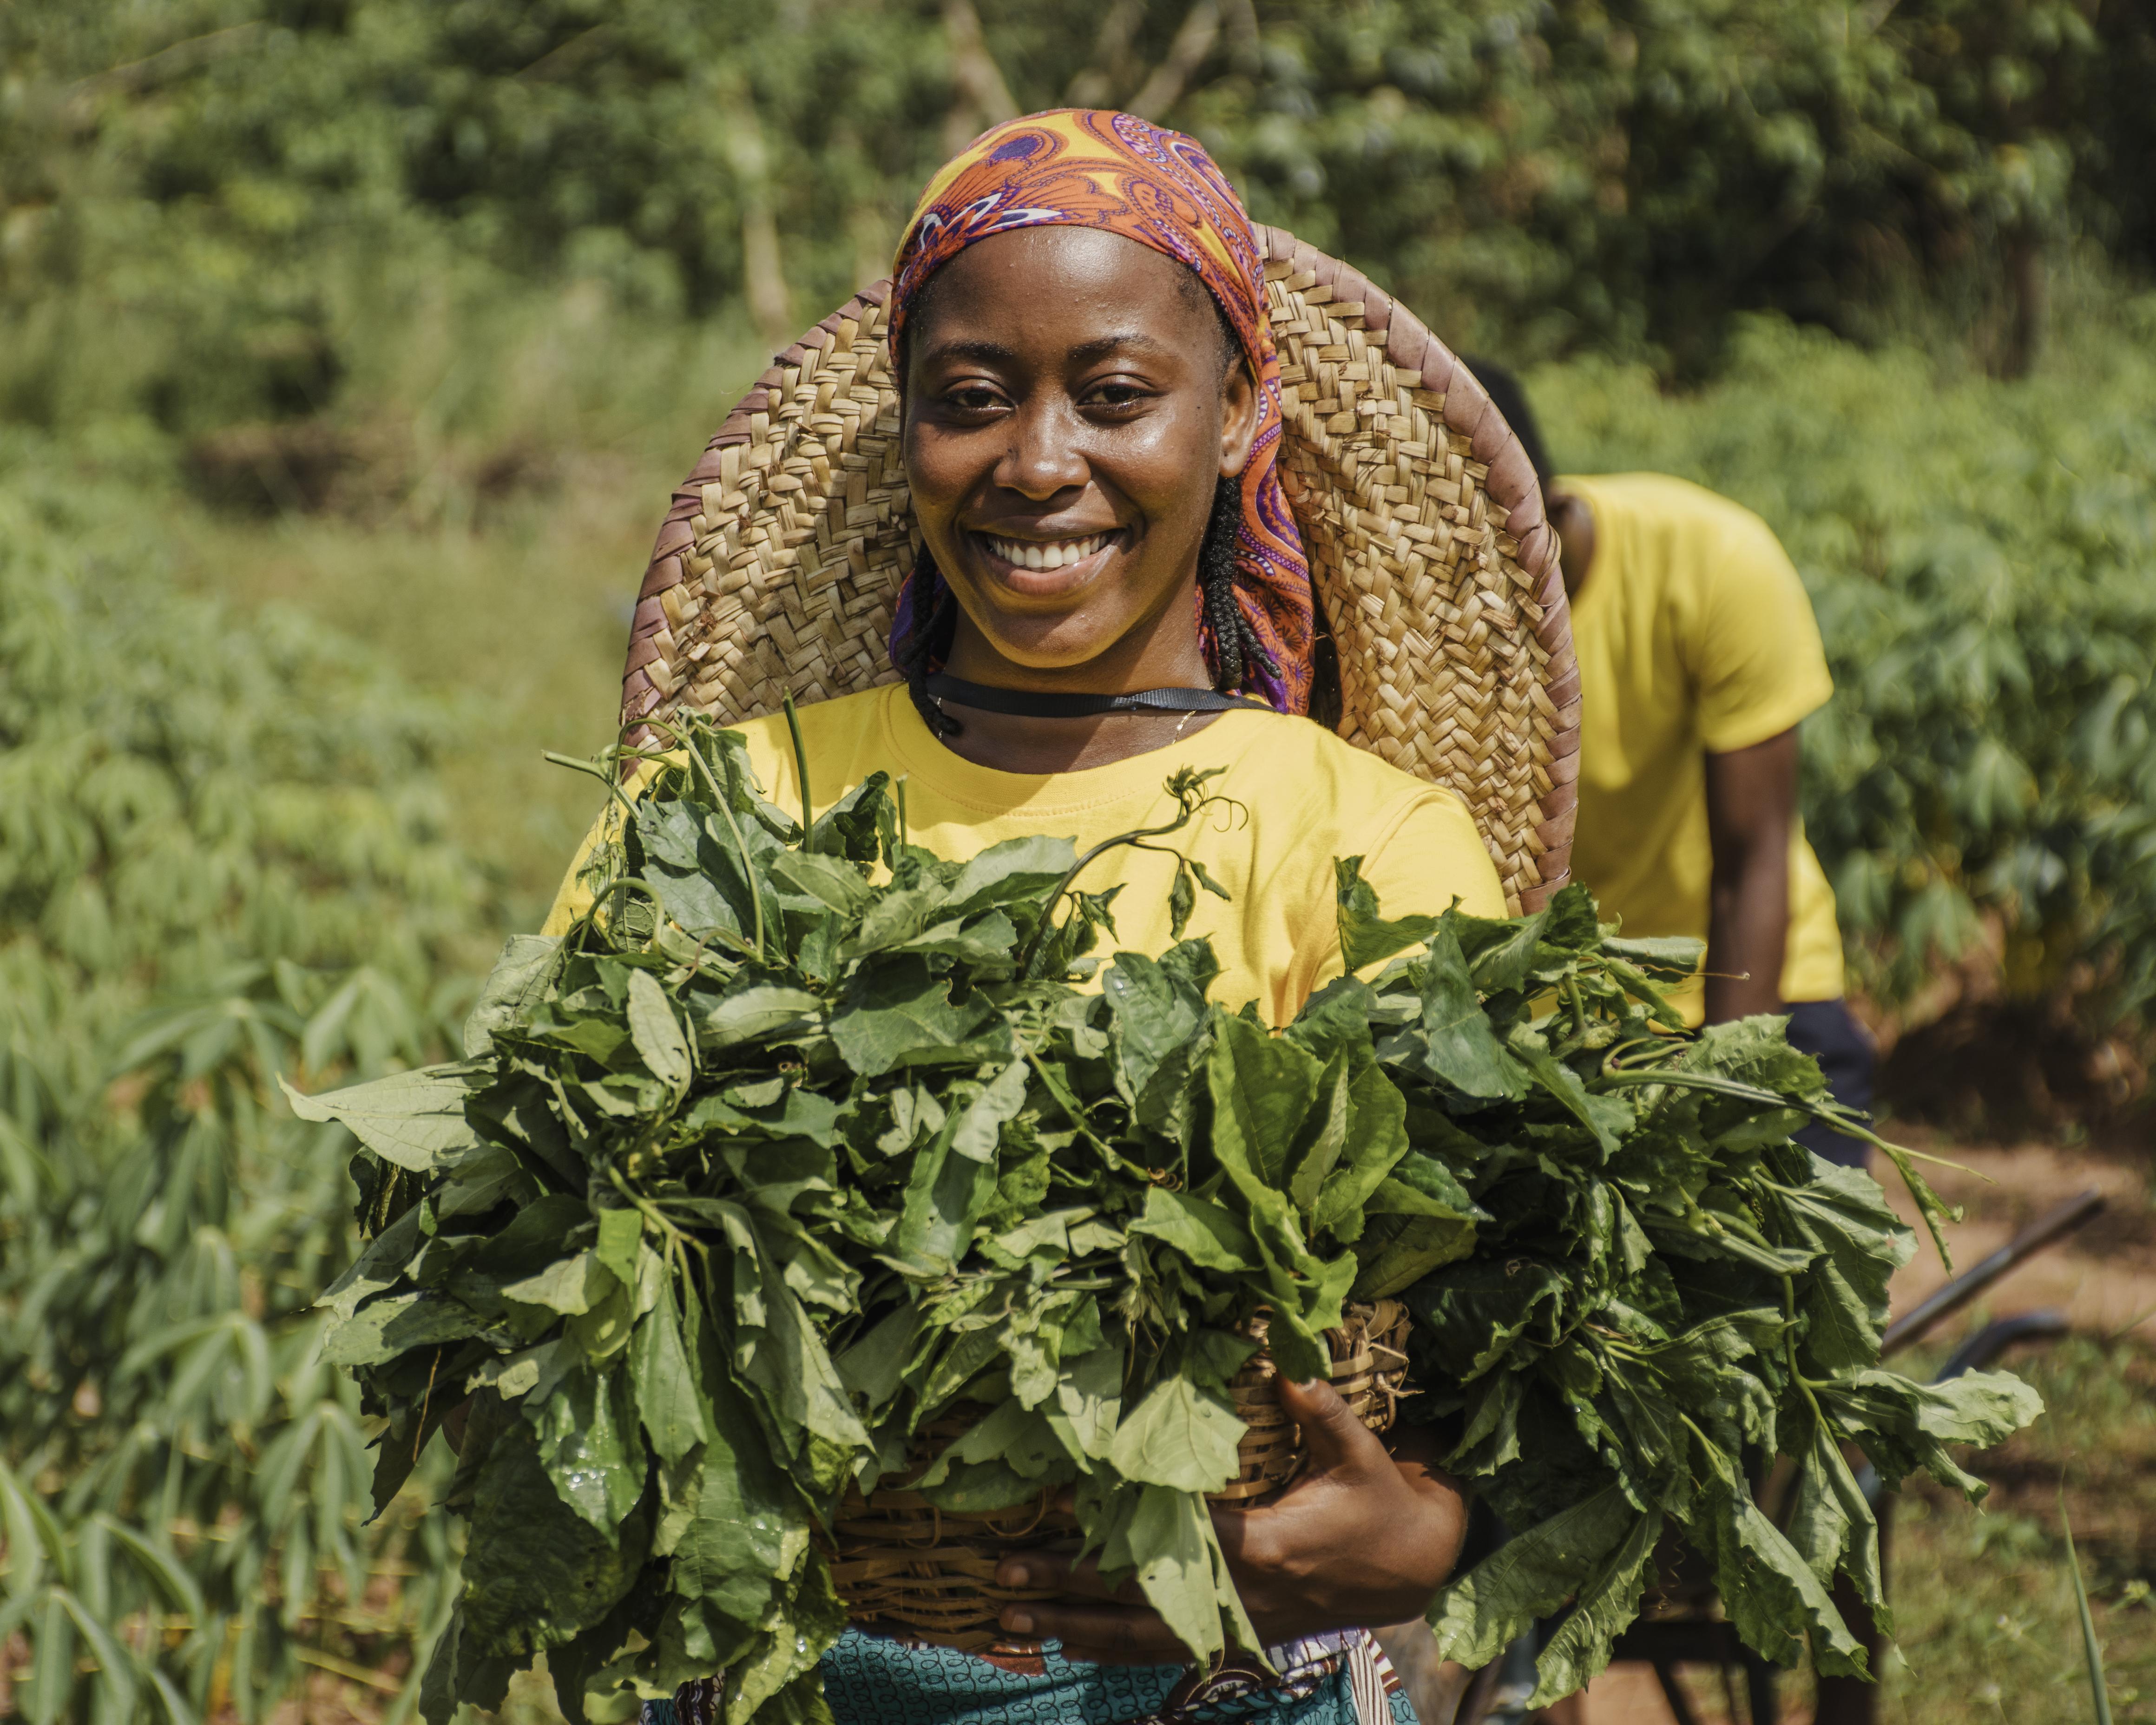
[[1535, 175]]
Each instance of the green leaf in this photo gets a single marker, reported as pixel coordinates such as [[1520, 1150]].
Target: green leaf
[[1529, 1576], [946, 1196], [1089, 1395], [535, 1571], [1604, 1117], [975, 1132], [1832, 1527], [573, 1285], [1262, 1089], [1158, 1007], [1181, 900], [588, 1443], [1862, 1242], [1017, 871], [691, 863], [1376, 1133], [1468, 1315], [1908, 1425], [1365, 936], [871, 1368], [663, 1368], [1171, 1545], [398, 1324], [826, 880], [621, 1236], [415, 1120], [1463, 1051], [2091, 1649], [518, 983], [778, 1352], [858, 825], [1670, 957], [1323, 1138], [755, 1009], [1505, 962], [379, 1266], [1608, 1599], [744, 1532], [1203, 1232], [1769, 1593], [1179, 1436], [459, 1672], [1397, 1251], [899, 1010], [659, 1042]]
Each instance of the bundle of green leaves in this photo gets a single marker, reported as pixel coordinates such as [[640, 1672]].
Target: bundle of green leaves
[[780, 1155]]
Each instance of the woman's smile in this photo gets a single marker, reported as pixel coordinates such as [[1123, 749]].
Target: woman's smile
[[1046, 568]]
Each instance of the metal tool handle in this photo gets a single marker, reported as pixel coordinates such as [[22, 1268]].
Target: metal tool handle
[[1943, 1303]]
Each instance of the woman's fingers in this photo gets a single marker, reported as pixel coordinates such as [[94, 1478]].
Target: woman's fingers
[[1120, 1629], [1334, 1436], [1099, 1634], [1055, 1572]]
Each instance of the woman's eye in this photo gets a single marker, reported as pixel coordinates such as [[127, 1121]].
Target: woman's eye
[[1117, 395], [973, 400]]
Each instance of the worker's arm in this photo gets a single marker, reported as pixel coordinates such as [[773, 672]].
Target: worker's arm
[[1750, 814]]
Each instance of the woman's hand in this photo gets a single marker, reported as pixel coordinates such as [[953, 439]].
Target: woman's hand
[[1364, 1537]]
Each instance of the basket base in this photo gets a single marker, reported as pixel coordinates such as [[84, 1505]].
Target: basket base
[[913, 1572]]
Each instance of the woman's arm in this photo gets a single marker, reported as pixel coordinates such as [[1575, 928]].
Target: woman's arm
[[1366, 1536]]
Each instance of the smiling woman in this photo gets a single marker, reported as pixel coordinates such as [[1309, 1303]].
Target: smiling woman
[[1109, 586]]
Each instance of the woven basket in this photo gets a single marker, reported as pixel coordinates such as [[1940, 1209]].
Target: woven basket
[[1436, 571], [906, 1567]]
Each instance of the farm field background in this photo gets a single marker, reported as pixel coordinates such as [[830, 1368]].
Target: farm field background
[[332, 442]]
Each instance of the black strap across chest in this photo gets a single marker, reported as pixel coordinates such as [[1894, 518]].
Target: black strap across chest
[[1039, 704]]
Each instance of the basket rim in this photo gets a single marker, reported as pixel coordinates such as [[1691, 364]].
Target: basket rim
[[1407, 345]]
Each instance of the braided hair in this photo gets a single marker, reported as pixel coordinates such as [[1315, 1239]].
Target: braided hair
[[928, 643], [1232, 645], [1236, 651]]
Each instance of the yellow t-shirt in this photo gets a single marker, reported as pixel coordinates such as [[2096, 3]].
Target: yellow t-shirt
[[1309, 796], [1694, 637]]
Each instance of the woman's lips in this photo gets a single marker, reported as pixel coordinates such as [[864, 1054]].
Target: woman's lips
[[1039, 567]]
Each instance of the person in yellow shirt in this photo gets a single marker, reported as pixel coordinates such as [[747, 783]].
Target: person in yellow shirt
[[1698, 657], [1108, 592]]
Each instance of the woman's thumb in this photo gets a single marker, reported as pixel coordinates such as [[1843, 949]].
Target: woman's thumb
[[1334, 1437]]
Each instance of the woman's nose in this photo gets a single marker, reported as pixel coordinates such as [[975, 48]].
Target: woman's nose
[[1042, 457]]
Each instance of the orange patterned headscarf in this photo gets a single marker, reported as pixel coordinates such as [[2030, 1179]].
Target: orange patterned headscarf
[[1082, 168]]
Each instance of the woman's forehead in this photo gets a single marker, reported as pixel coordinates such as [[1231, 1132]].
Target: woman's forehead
[[1069, 288]]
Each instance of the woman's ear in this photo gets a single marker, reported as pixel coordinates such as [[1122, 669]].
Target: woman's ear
[[1239, 416]]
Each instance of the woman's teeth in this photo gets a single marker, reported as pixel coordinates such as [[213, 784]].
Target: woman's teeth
[[1051, 554]]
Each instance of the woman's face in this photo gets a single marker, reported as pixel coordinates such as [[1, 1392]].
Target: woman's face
[[1070, 409]]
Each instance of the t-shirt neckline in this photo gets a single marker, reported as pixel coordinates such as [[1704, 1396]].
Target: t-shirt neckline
[[989, 790]]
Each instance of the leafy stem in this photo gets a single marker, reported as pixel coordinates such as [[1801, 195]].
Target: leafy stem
[[726, 808], [602, 769], [800, 769], [1187, 787], [1796, 1376]]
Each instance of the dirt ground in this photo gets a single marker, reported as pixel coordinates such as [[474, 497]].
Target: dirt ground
[[2103, 1278]]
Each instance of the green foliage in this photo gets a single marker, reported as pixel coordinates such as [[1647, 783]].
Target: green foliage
[[229, 180], [767, 1166], [222, 856], [1980, 556]]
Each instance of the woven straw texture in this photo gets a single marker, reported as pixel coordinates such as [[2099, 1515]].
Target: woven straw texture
[[906, 1567], [1436, 571]]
